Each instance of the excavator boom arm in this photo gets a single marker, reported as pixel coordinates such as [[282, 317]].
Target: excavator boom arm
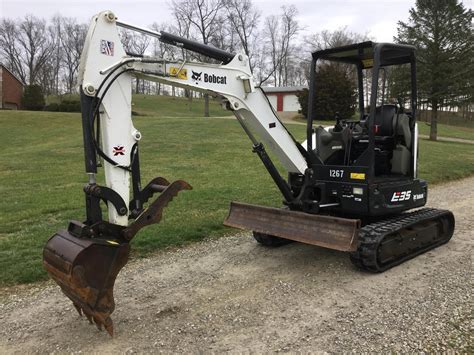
[[106, 71]]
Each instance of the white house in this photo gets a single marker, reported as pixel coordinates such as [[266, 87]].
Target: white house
[[283, 99]]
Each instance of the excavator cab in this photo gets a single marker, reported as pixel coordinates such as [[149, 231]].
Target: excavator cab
[[362, 172], [367, 163]]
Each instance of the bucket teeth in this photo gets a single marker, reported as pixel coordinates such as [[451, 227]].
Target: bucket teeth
[[98, 323], [89, 318], [98, 320], [78, 309], [109, 326]]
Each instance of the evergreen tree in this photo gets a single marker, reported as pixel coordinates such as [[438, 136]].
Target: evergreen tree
[[442, 32], [33, 98], [335, 92]]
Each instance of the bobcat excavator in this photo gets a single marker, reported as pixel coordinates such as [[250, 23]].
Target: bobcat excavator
[[348, 187]]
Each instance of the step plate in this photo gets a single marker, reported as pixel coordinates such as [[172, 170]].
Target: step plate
[[324, 231]]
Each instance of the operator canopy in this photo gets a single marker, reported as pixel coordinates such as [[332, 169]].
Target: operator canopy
[[365, 52]]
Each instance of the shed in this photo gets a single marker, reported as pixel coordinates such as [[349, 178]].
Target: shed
[[11, 90], [283, 98]]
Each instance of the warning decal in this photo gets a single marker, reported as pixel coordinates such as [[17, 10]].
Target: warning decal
[[177, 73]]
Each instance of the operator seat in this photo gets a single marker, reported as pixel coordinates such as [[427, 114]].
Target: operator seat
[[392, 140], [384, 121], [330, 145]]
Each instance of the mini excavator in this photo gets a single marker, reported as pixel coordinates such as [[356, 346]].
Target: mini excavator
[[349, 187]]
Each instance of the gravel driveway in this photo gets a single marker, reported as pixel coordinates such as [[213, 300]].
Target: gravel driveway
[[234, 295]]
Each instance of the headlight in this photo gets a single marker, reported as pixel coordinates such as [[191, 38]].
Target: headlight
[[357, 190]]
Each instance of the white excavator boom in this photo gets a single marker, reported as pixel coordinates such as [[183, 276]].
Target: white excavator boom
[[232, 82]]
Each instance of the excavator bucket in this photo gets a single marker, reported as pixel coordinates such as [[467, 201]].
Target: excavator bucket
[[86, 269], [325, 231], [85, 260]]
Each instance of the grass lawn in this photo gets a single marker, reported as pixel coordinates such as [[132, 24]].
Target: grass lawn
[[163, 106], [41, 179], [448, 131], [444, 130]]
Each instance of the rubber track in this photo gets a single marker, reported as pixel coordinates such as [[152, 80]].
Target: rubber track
[[372, 234]]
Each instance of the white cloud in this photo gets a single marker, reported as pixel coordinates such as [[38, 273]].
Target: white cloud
[[383, 31]]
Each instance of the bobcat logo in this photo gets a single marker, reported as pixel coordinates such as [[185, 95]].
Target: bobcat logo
[[196, 76]]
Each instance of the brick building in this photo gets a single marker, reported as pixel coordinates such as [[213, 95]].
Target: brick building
[[11, 90]]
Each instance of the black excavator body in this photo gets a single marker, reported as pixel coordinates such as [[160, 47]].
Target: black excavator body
[[362, 172]]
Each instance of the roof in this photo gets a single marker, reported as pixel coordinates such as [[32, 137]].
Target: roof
[[363, 53], [14, 76], [271, 89]]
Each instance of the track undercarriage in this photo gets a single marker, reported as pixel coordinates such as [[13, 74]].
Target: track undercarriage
[[392, 241], [379, 245]]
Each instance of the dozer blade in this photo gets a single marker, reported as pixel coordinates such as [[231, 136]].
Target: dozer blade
[[86, 270], [325, 231]]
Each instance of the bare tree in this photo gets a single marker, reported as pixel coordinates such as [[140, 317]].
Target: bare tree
[[271, 50], [164, 50], [280, 33], [290, 30], [51, 71], [10, 50], [135, 44], [244, 20], [47, 55], [204, 17], [340, 37], [329, 39], [225, 37], [72, 41], [35, 45]]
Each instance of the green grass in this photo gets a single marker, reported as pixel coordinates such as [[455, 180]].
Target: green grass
[[447, 118], [444, 130], [169, 106], [448, 131], [444, 161], [41, 179], [163, 106]]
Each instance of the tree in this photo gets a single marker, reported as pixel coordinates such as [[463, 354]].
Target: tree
[[244, 20], [335, 82], [290, 30], [135, 44], [442, 32], [26, 46], [33, 98], [330, 39], [10, 50], [205, 16], [72, 40], [50, 72], [35, 45], [272, 49], [279, 60], [335, 92], [337, 38]]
